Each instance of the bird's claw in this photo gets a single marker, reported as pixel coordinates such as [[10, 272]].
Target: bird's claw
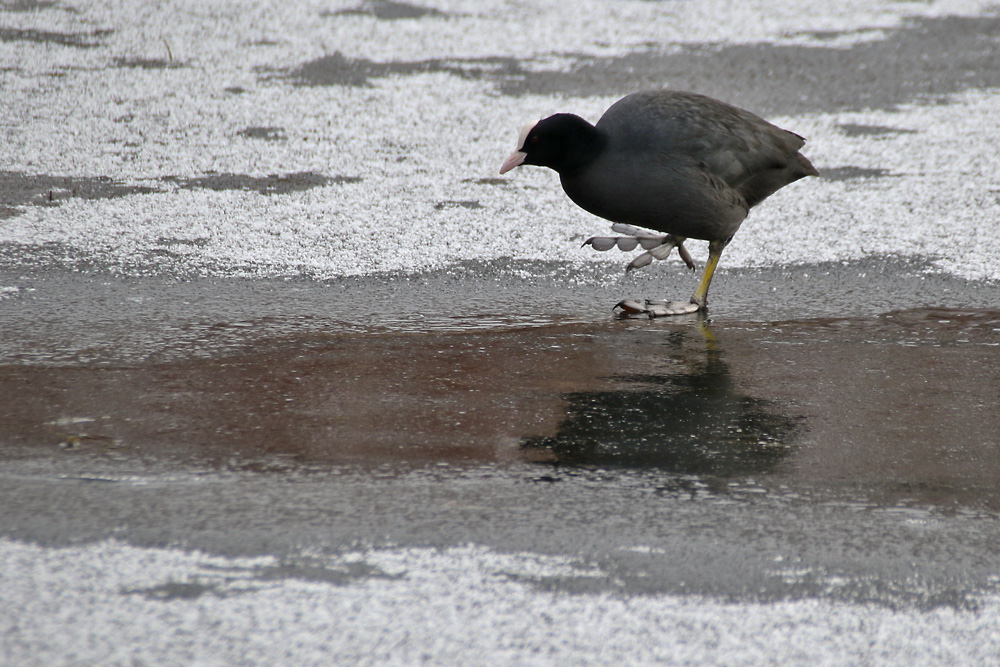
[[686, 256], [624, 243], [657, 246], [657, 308]]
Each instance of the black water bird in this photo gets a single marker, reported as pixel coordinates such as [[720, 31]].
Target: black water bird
[[681, 164]]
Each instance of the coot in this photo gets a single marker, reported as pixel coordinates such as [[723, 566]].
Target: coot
[[679, 163]]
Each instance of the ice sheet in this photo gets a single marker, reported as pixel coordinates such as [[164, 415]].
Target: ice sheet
[[111, 603], [399, 165]]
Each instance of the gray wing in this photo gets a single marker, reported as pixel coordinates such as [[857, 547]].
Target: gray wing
[[731, 143]]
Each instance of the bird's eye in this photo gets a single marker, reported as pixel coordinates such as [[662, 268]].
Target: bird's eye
[[533, 139]]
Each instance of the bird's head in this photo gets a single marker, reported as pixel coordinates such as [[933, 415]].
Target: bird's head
[[562, 142]]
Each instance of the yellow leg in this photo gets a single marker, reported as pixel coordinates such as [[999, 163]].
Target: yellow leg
[[700, 297]]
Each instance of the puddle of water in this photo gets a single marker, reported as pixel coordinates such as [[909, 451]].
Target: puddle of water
[[903, 405]]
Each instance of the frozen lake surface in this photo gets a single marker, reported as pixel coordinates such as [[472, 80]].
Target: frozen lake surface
[[290, 374], [331, 141]]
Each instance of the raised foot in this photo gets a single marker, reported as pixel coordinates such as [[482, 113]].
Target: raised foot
[[657, 246], [657, 307]]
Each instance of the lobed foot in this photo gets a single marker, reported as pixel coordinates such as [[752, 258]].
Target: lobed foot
[[657, 307], [657, 246]]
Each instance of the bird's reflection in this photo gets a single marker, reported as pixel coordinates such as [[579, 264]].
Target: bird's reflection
[[692, 420]]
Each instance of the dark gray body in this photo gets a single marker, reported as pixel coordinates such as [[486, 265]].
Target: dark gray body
[[684, 164]]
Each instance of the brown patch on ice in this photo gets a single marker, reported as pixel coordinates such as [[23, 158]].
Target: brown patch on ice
[[904, 404]]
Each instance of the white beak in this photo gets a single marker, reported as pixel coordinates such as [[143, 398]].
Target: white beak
[[516, 159]]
